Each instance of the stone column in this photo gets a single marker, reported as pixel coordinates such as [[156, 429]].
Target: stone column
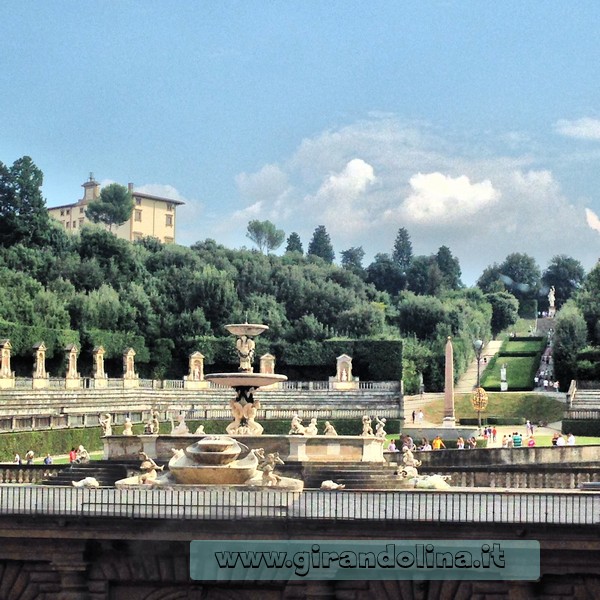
[[73, 379], [267, 364], [194, 380], [100, 377], [7, 377], [130, 377], [40, 377], [343, 376], [449, 418], [72, 570]]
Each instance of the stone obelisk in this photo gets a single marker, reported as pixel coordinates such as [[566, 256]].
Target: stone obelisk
[[449, 419]]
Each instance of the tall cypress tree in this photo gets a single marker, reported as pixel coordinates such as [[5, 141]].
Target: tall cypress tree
[[294, 244], [320, 244], [402, 254]]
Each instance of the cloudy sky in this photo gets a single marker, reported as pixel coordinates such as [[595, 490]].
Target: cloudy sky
[[474, 125]]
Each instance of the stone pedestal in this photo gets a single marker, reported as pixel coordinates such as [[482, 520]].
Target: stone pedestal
[[100, 383], [129, 384], [72, 383], [449, 422], [190, 384], [7, 383], [41, 383], [344, 385]]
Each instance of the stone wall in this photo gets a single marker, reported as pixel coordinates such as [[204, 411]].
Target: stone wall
[[558, 455]]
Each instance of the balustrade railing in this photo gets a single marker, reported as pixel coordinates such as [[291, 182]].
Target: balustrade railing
[[456, 506]]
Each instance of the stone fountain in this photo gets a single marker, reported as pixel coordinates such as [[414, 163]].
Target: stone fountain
[[244, 407]]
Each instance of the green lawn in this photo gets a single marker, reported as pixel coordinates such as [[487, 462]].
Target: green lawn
[[519, 371], [535, 407]]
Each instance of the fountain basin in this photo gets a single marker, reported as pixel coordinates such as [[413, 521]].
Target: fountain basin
[[248, 380], [247, 329], [187, 471], [214, 450]]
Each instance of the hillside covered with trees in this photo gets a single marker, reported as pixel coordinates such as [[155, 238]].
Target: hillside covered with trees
[[167, 301]]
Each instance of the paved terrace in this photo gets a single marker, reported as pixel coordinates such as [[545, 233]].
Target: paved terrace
[[453, 506]]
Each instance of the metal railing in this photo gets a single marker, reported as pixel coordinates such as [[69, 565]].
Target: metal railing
[[576, 508]]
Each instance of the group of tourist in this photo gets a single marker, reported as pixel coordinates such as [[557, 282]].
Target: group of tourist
[[559, 440], [468, 444], [29, 457], [417, 416], [516, 440], [544, 380]]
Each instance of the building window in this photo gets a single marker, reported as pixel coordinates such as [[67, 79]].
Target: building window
[[169, 240], [170, 207], [138, 201], [169, 221], [81, 210], [74, 224], [137, 236], [80, 222], [68, 225], [138, 215], [62, 213], [68, 211]]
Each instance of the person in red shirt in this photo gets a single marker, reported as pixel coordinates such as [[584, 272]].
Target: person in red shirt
[[72, 455]]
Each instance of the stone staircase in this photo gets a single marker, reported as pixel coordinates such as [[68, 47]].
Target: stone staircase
[[586, 399], [105, 471], [355, 476]]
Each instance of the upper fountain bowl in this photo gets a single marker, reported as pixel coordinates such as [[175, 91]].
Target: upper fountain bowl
[[247, 329]]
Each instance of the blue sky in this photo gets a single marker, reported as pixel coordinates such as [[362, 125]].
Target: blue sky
[[475, 125]]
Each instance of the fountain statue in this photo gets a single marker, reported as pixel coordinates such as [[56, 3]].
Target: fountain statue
[[244, 407]]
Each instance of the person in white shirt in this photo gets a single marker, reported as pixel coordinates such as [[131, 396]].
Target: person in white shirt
[[560, 441], [571, 440]]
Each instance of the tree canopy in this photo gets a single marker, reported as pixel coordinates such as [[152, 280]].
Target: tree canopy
[[265, 235], [320, 245], [114, 206], [23, 214]]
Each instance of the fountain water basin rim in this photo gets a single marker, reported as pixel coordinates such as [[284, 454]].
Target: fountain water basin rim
[[247, 380], [247, 329]]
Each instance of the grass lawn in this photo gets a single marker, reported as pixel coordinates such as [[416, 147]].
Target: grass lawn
[[531, 346], [535, 407], [519, 371]]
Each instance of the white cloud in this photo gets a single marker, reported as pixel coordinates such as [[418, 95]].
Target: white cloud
[[438, 197], [269, 182], [585, 128], [341, 199], [592, 219], [161, 190], [367, 179]]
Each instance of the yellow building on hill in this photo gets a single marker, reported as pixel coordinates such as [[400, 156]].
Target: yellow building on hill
[[152, 216]]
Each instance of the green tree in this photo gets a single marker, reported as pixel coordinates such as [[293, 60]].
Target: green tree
[[352, 259], [294, 244], [449, 267], [490, 280], [367, 320], [522, 278], [385, 274], [265, 235], [320, 245], [402, 254], [570, 335], [114, 206], [566, 275], [588, 303], [23, 214], [505, 311], [420, 316]]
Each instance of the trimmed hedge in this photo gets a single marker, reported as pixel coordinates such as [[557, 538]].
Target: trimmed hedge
[[494, 421], [587, 427], [60, 441], [24, 337]]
